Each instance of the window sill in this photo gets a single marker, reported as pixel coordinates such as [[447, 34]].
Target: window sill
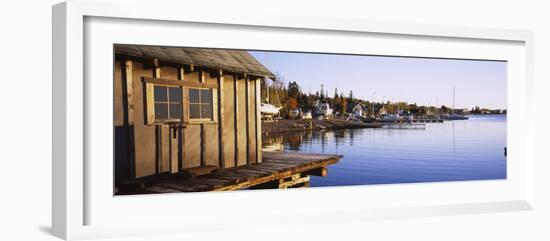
[[196, 122]]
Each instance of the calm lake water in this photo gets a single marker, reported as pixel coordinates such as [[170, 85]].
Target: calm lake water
[[451, 151]]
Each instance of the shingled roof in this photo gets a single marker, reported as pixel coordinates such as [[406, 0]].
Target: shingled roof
[[239, 61]]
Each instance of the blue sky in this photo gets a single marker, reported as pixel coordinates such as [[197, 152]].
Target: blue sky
[[425, 81]]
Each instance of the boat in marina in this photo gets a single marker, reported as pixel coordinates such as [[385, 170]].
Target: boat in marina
[[389, 118], [269, 109], [324, 110], [452, 115], [406, 126]]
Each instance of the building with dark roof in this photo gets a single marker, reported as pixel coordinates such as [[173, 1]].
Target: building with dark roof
[[185, 110]]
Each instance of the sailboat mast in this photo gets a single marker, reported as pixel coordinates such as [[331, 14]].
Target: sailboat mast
[[453, 110], [266, 84], [266, 92]]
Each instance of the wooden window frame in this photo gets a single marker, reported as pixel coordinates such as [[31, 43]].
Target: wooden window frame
[[168, 120], [213, 100], [185, 85]]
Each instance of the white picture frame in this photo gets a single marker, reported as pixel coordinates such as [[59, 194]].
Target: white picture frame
[[77, 195]]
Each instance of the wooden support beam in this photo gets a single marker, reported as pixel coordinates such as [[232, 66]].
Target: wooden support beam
[[186, 83], [202, 75], [158, 129], [293, 181], [174, 149], [128, 75], [221, 126], [181, 73], [236, 104], [258, 121], [203, 146], [130, 90], [156, 63], [247, 120], [150, 104], [321, 172]]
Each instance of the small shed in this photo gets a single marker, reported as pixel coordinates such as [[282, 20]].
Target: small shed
[[178, 109]]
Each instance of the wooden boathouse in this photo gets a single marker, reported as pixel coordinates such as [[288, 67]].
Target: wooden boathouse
[[186, 112]]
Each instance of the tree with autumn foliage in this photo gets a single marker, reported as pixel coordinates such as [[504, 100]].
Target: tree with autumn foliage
[[343, 105], [292, 103]]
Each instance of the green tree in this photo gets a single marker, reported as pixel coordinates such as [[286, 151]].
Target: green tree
[[293, 89]]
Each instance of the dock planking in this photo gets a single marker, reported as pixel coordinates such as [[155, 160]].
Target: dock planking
[[275, 166]]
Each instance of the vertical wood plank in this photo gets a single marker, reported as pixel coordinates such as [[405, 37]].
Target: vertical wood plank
[[158, 129], [129, 75], [156, 71], [202, 75], [211, 145], [258, 121], [130, 91], [166, 145], [241, 122], [215, 105], [203, 146], [149, 104], [181, 147], [177, 150], [228, 118], [236, 91], [247, 116], [252, 121], [181, 73], [220, 119], [202, 135], [185, 100], [174, 147], [192, 147], [144, 135]]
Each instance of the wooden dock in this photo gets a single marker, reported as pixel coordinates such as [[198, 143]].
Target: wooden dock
[[277, 170], [405, 125], [420, 120], [426, 120]]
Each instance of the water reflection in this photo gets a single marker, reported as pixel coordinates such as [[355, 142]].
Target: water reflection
[[454, 150]]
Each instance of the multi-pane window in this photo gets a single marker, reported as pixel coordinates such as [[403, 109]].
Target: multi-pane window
[[200, 103], [168, 103]]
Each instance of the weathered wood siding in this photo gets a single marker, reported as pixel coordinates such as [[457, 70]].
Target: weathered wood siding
[[143, 149], [192, 146], [210, 138], [167, 72], [251, 121], [229, 120], [121, 128], [144, 135], [241, 122], [119, 95]]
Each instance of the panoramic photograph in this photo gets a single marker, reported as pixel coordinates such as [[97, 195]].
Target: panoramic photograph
[[192, 119]]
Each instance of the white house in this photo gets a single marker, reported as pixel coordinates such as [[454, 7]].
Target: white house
[[383, 111], [360, 110]]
